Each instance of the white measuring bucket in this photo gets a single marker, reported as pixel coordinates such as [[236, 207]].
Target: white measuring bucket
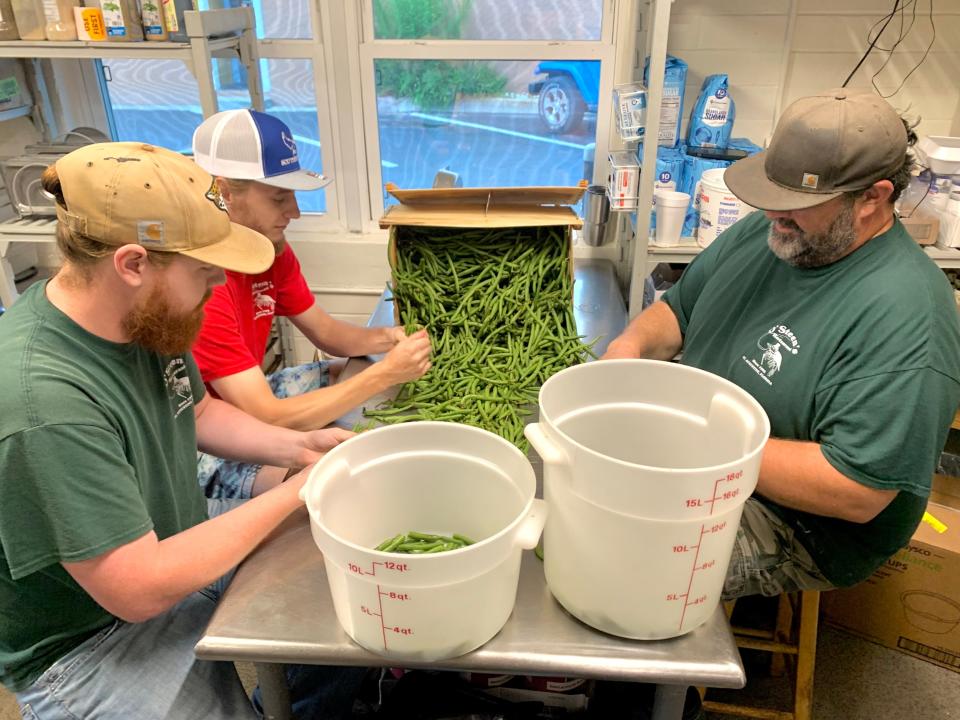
[[433, 477], [719, 208], [647, 465]]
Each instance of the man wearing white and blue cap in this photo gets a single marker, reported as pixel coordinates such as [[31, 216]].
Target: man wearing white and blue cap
[[254, 158]]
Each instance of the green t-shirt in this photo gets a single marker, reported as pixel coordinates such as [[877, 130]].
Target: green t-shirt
[[97, 447], [861, 356]]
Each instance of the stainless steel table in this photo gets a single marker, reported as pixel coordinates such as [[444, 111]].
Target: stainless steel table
[[278, 608]]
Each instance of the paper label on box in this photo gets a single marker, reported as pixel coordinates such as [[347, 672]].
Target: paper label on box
[[9, 89]]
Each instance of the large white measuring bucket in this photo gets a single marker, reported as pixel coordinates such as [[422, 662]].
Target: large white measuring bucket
[[433, 477], [647, 465]]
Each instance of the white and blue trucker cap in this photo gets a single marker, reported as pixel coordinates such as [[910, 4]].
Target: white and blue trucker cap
[[251, 145]]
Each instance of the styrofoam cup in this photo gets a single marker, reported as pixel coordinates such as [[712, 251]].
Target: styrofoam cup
[[671, 208]]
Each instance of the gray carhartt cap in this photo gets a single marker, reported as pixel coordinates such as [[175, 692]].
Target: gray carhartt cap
[[823, 145]]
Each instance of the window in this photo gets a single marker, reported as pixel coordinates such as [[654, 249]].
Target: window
[[424, 92], [485, 92]]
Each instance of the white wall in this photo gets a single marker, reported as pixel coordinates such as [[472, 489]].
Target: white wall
[[772, 61]]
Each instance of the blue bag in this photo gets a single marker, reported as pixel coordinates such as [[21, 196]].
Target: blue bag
[[711, 120]]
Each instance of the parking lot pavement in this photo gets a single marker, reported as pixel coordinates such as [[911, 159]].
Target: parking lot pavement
[[483, 149]]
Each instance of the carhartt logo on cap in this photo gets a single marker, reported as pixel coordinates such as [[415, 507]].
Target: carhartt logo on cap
[[810, 181], [150, 233]]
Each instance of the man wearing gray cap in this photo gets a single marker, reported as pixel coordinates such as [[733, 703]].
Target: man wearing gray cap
[[830, 315]]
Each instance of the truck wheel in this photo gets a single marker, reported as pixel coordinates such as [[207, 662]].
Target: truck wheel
[[561, 106]]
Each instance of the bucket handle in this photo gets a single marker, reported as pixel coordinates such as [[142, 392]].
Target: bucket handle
[[548, 450], [322, 473], [529, 531]]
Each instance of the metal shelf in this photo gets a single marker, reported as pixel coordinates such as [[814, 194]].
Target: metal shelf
[[944, 257], [226, 33]]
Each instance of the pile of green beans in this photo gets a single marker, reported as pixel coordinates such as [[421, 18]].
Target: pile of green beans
[[423, 543], [498, 304]]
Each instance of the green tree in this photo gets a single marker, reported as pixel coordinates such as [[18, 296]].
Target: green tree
[[431, 84]]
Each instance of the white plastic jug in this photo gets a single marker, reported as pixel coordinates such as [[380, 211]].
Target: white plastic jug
[[647, 465], [428, 477], [719, 208]]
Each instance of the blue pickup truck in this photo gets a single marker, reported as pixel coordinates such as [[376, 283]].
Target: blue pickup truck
[[569, 89]]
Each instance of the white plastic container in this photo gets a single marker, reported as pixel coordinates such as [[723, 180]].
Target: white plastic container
[[59, 23], [429, 477], [940, 153], [719, 208], [647, 465], [623, 181]]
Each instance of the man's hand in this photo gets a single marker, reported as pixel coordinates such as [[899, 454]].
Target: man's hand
[[318, 442], [408, 360]]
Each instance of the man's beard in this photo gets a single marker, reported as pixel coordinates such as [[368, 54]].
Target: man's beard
[[811, 250], [154, 326]]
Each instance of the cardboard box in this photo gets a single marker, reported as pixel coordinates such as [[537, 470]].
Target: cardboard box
[[912, 603], [482, 208], [922, 227]]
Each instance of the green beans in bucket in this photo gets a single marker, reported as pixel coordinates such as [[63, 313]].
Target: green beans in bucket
[[498, 304], [423, 543]]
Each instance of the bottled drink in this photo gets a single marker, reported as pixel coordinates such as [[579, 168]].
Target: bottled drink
[[173, 16], [29, 18], [122, 20], [59, 23], [8, 26], [154, 26]]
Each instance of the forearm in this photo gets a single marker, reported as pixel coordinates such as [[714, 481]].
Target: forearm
[[796, 475], [343, 339], [149, 577], [654, 334], [226, 431], [318, 408]]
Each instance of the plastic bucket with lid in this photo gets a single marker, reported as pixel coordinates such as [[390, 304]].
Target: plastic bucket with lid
[[719, 208], [435, 477], [647, 465]]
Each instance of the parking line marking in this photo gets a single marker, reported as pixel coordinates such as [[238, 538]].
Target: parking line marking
[[501, 131]]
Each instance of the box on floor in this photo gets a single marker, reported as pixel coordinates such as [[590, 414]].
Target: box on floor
[[912, 603]]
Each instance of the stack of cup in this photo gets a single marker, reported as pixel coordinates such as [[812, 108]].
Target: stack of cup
[[596, 212], [671, 208]]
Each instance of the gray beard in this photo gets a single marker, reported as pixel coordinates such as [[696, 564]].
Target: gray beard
[[811, 250]]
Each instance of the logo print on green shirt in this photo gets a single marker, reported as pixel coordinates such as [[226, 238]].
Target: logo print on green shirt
[[178, 385], [767, 360]]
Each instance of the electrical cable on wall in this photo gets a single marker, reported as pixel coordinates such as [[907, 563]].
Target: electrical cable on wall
[[899, 6]]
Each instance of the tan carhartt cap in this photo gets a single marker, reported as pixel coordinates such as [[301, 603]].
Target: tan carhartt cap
[[823, 146], [132, 193]]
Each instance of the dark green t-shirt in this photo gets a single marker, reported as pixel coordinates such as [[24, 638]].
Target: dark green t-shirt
[[861, 356], [97, 447]]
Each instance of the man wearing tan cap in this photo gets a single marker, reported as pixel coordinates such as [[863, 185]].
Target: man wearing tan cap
[[830, 315], [109, 565]]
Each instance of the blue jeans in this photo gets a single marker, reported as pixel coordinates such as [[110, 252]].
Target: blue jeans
[[221, 478], [148, 671]]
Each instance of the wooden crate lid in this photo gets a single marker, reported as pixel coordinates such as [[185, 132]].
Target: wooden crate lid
[[484, 207]]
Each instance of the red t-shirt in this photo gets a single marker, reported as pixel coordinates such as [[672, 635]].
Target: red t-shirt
[[239, 313]]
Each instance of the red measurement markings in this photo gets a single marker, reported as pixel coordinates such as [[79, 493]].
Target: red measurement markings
[[718, 494], [390, 595], [390, 565], [695, 568]]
